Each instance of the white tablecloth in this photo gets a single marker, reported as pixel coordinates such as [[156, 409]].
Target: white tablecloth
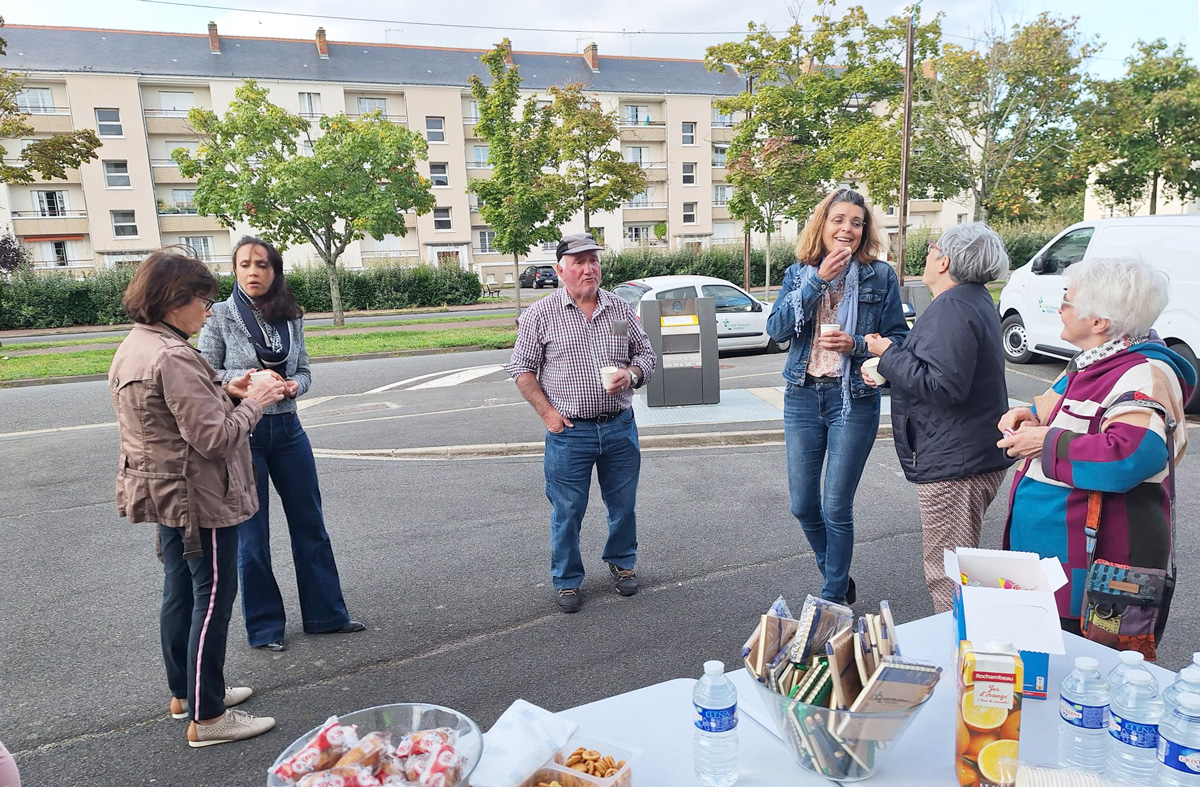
[[658, 720]]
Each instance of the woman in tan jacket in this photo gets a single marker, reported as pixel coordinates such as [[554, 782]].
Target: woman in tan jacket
[[185, 467]]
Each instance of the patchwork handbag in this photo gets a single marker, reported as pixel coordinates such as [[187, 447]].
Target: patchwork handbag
[[1125, 607]]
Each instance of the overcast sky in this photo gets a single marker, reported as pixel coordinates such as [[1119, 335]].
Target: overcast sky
[[1118, 23]]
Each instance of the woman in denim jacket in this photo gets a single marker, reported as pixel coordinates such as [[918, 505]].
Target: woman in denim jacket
[[829, 301], [261, 327]]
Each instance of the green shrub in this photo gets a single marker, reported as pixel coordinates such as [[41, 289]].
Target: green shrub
[[723, 262], [1022, 240]]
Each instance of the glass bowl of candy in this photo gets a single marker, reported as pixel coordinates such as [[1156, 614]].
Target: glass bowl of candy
[[408, 743]]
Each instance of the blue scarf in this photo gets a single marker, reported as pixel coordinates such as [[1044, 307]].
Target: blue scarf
[[847, 317]]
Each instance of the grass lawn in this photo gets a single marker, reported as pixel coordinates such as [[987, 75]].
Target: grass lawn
[[87, 362]]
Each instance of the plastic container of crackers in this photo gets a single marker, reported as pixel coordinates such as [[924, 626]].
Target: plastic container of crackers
[[587, 761]]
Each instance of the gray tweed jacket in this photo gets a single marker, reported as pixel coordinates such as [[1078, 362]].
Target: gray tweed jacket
[[226, 345]]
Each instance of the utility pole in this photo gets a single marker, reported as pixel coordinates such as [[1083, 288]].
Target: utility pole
[[905, 144], [746, 245]]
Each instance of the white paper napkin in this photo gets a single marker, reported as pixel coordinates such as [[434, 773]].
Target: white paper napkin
[[523, 739]]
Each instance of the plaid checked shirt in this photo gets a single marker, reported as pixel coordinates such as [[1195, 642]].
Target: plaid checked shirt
[[556, 342]]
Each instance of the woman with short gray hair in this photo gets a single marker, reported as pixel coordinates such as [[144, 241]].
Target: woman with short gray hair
[[1096, 446], [948, 389]]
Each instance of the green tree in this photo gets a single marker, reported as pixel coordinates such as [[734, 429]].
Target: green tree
[[521, 203], [593, 177], [360, 178], [1143, 130], [1010, 110], [48, 158], [822, 107]]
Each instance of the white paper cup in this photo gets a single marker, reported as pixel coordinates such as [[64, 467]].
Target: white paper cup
[[829, 327], [608, 374], [870, 368], [260, 377]]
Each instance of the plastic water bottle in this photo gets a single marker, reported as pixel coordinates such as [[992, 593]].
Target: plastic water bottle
[[1083, 717], [1130, 660], [1179, 744], [1135, 710], [1186, 682], [715, 748]]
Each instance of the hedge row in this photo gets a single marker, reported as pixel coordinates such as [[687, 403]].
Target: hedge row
[[33, 300]]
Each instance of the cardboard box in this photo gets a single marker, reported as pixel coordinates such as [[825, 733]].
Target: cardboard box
[[1027, 616]]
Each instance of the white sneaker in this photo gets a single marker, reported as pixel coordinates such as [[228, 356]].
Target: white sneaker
[[235, 725], [234, 695]]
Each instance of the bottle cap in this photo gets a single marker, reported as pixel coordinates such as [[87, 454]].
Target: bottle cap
[[1000, 645], [1190, 701], [714, 668], [1190, 674], [1131, 657], [1139, 678], [1196, 658], [1086, 664]]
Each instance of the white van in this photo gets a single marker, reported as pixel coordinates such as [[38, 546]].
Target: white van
[[1029, 303]]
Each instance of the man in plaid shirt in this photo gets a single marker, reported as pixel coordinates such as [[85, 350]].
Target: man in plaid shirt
[[563, 342]]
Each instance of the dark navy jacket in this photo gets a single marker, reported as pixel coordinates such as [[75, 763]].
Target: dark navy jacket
[[948, 388]]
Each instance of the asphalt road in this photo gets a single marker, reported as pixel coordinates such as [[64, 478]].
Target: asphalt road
[[444, 560]]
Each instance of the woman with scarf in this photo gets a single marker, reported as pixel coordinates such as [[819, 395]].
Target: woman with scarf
[[834, 296], [260, 326]]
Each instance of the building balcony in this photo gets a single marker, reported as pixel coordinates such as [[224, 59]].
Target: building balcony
[[50, 120], [722, 133], [653, 131], [168, 121], [165, 170], [476, 164], [646, 211], [720, 211], [187, 222], [35, 222], [924, 206], [469, 127], [400, 120], [65, 265]]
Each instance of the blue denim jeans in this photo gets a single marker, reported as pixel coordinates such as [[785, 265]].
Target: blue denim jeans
[[811, 430], [197, 604], [613, 449], [282, 452]]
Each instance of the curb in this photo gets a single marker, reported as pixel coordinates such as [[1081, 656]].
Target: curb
[[497, 450]]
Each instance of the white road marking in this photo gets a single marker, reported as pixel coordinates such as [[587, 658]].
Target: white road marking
[[390, 386], [304, 404], [466, 375], [57, 429], [310, 427]]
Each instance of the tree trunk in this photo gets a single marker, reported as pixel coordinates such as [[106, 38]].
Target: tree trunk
[[587, 220], [1154, 192], [767, 267], [517, 281], [335, 292]]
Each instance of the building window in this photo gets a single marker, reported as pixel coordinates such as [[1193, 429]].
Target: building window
[[439, 175], [721, 194], [190, 145], [116, 175], [368, 105], [306, 148], [639, 233], [435, 129], [689, 133], [202, 245], [689, 213], [472, 114], [721, 119], [641, 199], [638, 155], [35, 101], [56, 252], [890, 211], [719, 152], [184, 200], [441, 219], [481, 153], [108, 123], [310, 105], [50, 203], [487, 239], [175, 104], [689, 174], [124, 224], [962, 218], [634, 114]]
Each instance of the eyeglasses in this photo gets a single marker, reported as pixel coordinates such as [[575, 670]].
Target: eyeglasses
[[1064, 304], [932, 246], [208, 304]]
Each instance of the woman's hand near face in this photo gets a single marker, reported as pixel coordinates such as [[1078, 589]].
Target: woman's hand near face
[[838, 341], [834, 263]]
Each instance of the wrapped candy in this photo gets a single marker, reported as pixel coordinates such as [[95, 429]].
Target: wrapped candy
[[341, 776], [369, 751], [326, 748]]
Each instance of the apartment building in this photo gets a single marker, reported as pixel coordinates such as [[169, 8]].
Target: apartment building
[[135, 89]]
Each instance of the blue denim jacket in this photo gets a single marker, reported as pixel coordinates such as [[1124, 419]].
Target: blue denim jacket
[[879, 311]]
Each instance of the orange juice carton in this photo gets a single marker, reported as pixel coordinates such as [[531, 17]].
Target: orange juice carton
[[988, 718], [1010, 595]]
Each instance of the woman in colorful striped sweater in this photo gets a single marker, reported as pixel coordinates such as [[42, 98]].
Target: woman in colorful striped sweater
[[1102, 427]]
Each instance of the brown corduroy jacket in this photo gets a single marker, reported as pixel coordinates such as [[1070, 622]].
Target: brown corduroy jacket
[[185, 453]]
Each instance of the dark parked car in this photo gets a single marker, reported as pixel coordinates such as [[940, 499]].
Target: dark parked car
[[537, 276]]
